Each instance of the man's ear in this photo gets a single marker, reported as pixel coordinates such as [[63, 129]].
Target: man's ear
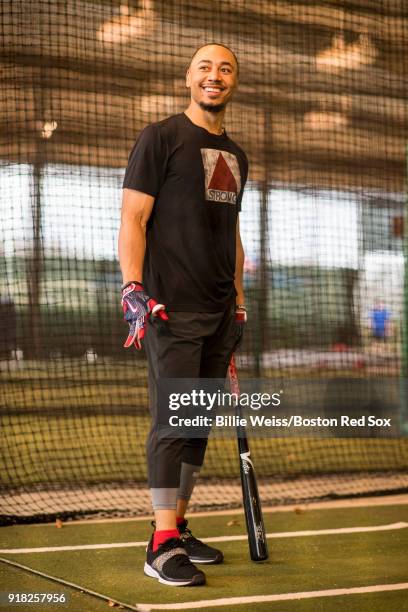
[[188, 79]]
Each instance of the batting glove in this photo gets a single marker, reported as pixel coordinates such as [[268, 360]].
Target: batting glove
[[137, 306], [240, 321]]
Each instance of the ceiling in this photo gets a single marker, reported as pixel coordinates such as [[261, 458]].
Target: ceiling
[[323, 90]]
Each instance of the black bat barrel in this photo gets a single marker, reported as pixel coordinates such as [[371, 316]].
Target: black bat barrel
[[258, 547]]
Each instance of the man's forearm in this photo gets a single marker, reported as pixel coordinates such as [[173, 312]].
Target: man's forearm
[[132, 247], [240, 299]]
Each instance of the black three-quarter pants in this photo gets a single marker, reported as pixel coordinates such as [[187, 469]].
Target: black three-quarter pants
[[198, 345]]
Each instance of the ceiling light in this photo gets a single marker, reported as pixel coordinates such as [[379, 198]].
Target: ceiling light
[[345, 55], [129, 24], [322, 120], [47, 128]]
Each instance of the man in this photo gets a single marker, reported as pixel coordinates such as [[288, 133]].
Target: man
[[182, 259], [380, 322]]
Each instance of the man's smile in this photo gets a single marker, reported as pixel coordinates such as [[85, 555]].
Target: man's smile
[[213, 89]]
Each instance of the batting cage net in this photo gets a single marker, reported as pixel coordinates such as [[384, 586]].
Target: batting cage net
[[321, 113]]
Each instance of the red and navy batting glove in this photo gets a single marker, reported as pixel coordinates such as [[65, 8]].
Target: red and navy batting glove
[[240, 321], [137, 306]]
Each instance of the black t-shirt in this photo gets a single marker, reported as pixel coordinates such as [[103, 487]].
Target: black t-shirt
[[197, 179]]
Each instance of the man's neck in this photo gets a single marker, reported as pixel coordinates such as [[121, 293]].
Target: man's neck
[[212, 122]]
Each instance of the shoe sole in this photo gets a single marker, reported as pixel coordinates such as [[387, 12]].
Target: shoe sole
[[206, 561], [152, 573]]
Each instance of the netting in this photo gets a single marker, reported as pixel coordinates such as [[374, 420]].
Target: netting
[[321, 113]]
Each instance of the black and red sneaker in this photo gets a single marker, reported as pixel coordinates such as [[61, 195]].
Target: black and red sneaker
[[171, 565], [198, 551]]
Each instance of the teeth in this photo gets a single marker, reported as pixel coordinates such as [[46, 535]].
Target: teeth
[[212, 89]]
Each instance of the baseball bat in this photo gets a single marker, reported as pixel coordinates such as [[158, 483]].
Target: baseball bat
[[258, 547]]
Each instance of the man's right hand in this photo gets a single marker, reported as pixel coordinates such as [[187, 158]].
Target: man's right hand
[[240, 322], [137, 306]]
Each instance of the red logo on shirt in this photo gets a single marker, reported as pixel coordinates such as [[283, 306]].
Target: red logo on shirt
[[222, 176]]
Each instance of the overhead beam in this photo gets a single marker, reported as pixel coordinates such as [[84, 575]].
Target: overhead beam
[[292, 173], [386, 27]]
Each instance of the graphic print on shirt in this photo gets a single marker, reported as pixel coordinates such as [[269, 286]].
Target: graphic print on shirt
[[222, 176]]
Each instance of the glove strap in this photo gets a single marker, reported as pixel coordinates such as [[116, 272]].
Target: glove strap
[[240, 314], [135, 282]]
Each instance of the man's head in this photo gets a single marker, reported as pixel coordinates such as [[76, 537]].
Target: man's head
[[212, 77]]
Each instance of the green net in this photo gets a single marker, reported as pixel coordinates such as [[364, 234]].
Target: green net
[[321, 114]]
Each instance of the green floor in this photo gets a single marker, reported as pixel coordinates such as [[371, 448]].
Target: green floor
[[296, 564]]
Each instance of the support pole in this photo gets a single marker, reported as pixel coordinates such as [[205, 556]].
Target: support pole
[[404, 344], [35, 263]]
